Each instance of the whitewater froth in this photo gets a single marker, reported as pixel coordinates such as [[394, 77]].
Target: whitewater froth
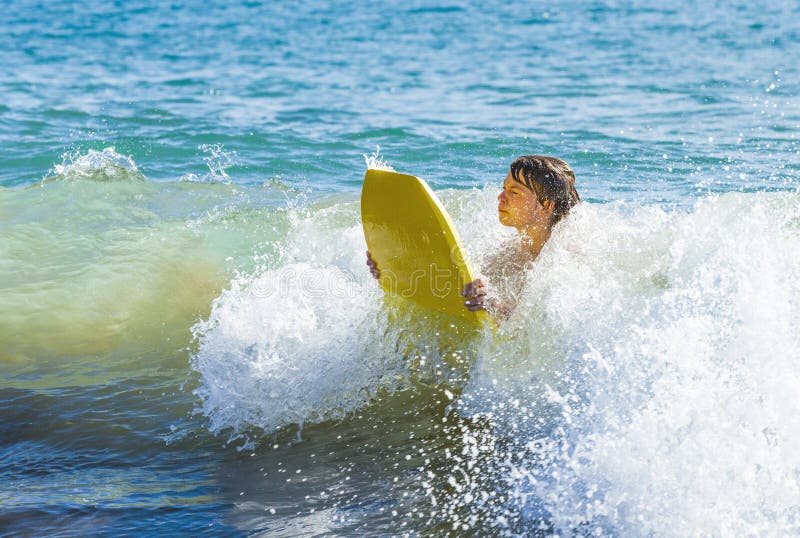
[[645, 384], [672, 357], [300, 338]]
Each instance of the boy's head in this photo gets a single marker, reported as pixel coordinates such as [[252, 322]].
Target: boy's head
[[550, 179]]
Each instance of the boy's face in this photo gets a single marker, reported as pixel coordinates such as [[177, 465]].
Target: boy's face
[[518, 206]]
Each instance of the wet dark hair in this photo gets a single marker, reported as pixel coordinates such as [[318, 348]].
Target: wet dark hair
[[550, 179]]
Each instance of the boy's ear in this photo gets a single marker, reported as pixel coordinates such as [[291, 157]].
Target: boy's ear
[[549, 205]]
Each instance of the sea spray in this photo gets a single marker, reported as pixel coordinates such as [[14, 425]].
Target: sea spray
[[104, 165], [671, 347], [376, 161], [298, 339]]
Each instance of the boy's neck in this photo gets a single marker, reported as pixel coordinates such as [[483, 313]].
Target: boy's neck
[[533, 239]]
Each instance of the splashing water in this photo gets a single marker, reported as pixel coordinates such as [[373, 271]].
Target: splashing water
[[295, 340], [218, 160], [105, 165], [644, 384], [663, 351], [375, 161]]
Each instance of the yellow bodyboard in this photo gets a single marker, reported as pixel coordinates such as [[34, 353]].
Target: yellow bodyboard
[[414, 244]]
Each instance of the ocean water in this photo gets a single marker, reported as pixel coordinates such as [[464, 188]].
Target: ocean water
[[190, 342]]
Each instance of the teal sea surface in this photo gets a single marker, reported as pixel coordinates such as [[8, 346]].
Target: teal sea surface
[[191, 343]]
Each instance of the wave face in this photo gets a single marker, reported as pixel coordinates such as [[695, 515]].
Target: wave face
[[645, 381], [101, 260]]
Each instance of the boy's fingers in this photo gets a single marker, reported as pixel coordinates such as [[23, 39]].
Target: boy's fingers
[[467, 289], [479, 292], [474, 292], [473, 287]]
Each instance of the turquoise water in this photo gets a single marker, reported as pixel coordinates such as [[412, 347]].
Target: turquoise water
[[189, 340]]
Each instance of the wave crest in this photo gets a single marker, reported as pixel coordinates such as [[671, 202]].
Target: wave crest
[[103, 166]]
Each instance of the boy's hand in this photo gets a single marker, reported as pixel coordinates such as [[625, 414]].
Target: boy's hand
[[477, 295], [373, 267]]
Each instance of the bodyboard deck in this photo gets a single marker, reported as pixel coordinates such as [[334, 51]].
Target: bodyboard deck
[[415, 244]]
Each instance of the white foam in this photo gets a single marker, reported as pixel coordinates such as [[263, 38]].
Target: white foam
[[667, 345], [105, 165], [647, 383], [375, 161], [300, 340]]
